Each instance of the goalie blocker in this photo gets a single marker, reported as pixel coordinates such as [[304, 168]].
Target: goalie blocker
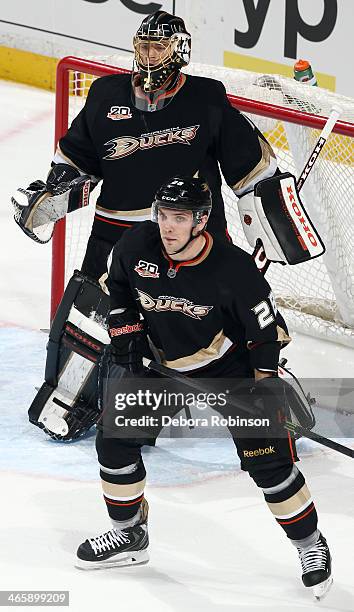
[[275, 215], [66, 404]]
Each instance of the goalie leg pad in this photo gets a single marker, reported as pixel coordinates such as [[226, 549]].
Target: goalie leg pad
[[63, 416], [66, 405]]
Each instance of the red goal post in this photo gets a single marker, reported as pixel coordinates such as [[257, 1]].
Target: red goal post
[[324, 307], [63, 90]]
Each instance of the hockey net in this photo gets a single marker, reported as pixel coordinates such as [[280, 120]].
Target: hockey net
[[317, 297]]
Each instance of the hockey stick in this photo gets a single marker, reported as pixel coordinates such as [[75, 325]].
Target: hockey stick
[[192, 383], [306, 433], [240, 405], [259, 253], [323, 137]]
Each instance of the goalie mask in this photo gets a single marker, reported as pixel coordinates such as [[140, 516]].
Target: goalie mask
[[184, 193], [162, 47]]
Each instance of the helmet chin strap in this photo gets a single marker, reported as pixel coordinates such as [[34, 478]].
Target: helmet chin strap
[[190, 239]]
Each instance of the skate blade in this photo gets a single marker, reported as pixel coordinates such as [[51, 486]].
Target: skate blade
[[140, 557], [320, 590]]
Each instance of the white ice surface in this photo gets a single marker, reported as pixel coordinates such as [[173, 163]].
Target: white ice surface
[[214, 544]]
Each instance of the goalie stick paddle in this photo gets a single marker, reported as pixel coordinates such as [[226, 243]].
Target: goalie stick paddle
[[259, 254], [240, 405]]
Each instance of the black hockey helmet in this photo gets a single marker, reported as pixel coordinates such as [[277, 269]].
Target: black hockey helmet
[[184, 193], [169, 32]]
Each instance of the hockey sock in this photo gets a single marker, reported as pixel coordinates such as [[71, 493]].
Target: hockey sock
[[291, 504], [128, 523], [308, 542], [123, 492]]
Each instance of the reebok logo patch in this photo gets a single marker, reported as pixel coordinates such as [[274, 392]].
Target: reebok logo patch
[[269, 450]]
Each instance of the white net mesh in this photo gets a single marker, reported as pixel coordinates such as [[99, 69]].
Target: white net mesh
[[316, 297]]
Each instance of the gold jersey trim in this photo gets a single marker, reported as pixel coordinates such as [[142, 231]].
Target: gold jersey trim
[[218, 347], [123, 214], [283, 337], [262, 170]]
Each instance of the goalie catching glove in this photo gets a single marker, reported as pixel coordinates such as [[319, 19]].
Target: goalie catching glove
[[275, 215], [38, 207]]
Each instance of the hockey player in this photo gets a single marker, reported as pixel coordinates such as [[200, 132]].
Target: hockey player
[[172, 274]]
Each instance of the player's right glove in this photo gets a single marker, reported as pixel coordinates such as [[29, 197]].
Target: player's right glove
[[279, 401], [38, 207], [128, 339]]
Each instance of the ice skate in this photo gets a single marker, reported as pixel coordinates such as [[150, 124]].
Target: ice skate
[[316, 567], [117, 547]]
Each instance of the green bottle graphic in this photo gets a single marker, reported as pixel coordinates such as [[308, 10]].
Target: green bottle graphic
[[303, 73]]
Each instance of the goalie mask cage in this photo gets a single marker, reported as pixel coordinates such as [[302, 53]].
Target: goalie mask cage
[[316, 297]]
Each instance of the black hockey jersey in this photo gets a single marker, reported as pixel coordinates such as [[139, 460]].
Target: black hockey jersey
[[203, 315], [135, 151]]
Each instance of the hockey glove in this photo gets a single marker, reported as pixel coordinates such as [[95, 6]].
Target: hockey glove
[[128, 339], [279, 401], [38, 207]]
